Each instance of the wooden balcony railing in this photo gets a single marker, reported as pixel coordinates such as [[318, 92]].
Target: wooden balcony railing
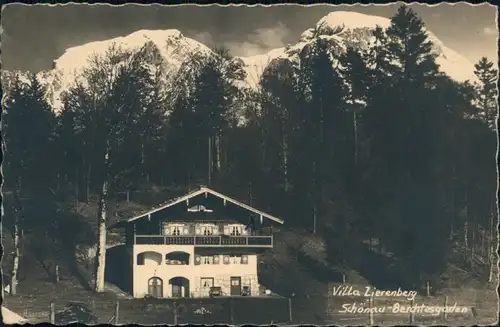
[[207, 241]]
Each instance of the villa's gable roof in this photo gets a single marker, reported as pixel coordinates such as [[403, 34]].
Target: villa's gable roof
[[186, 197]]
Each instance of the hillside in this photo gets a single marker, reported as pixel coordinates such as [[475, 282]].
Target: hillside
[[296, 267]]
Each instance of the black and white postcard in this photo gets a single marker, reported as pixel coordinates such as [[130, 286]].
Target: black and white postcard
[[265, 165]]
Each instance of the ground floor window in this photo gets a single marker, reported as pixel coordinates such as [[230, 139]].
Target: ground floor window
[[207, 282]]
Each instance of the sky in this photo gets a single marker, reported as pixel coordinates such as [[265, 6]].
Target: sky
[[35, 35]]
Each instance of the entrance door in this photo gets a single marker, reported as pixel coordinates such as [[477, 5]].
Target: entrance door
[[176, 290], [155, 287], [180, 286], [235, 285]]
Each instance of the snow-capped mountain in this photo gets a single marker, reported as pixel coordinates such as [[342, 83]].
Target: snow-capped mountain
[[342, 29], [172, 48], [339, 28]]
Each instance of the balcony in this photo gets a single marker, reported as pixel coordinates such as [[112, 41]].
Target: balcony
[[207, 241]]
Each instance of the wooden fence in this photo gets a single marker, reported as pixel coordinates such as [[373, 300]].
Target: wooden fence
[[481, 309], [223, 310]]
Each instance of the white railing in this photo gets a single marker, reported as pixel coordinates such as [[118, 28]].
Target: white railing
[[207, 241]]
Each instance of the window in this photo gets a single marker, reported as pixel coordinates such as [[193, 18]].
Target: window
[[207, 260], [206, 230], [149, 258], [207, 282], [235, 230], [235, 259], [177, 258], [174, 229]]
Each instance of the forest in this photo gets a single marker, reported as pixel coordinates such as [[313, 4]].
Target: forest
[[364, 144]]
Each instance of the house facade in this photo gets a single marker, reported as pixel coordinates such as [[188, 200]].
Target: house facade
[[198, 245]]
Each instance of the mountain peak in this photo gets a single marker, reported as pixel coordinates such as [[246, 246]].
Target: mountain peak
[[351, 20], [72, 57]]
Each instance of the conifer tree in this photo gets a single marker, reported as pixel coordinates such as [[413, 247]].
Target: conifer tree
[[326, 127], [487, 90]]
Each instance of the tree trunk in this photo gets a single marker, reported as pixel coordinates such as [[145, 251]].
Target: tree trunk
[[15, 266], [16, 238], [57, 273], [218, 151], [210, 161], [466, 225], [314, 217], [101, 223], [492, 244], [493, 264], [453, 207], [466, 237], [355, 126], [58, 187], [473, 243], [483, 252], [77, 188], [285, 161], [224, 151], [87, 192]]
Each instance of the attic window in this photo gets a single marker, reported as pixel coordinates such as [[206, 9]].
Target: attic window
[[199, 208]]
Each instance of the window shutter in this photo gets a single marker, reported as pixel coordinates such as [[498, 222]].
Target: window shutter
[[197, 260]]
